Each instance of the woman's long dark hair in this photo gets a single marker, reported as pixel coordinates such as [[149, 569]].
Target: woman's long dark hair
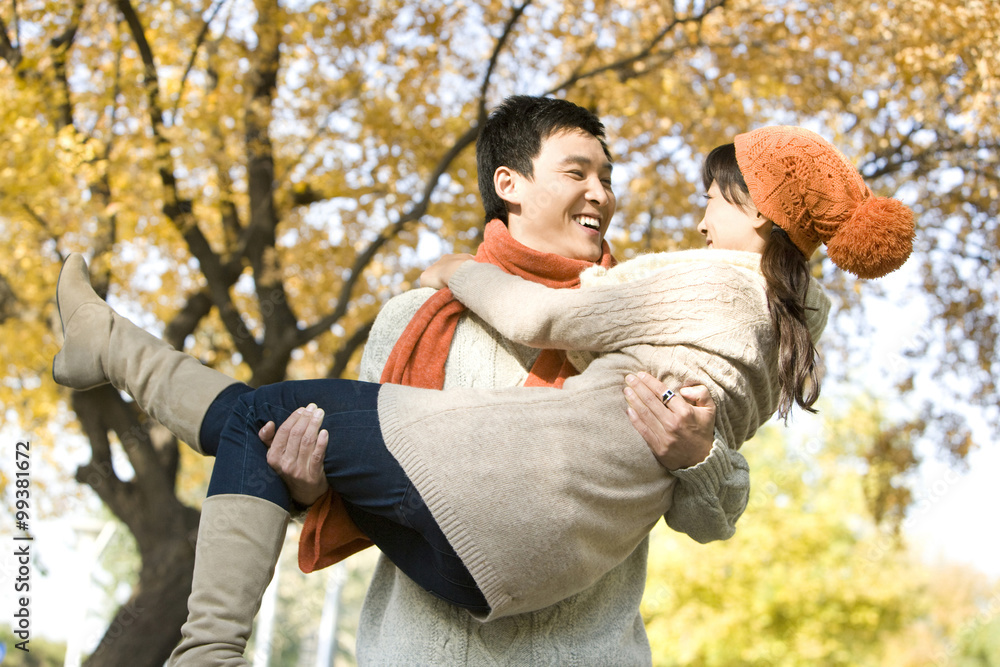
[[786, 273]]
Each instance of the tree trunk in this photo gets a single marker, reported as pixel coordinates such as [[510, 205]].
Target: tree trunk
[[146, 628]]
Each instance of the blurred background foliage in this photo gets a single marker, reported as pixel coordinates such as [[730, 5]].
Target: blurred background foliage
[[809, 578]]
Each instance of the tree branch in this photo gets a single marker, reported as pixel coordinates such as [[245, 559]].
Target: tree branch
[[178, 210], [218, 287], [419, 208], [46, 227], [99, 474], [187, 318], [483, 93], [102, 410], [232, 230], [925, 159], [508, 29], [347, 350], [362, 260], [646, 53], [199, 40], [313, 140], [61, 46], [8, 51], [10, 305], [154, 481], [280, 330]]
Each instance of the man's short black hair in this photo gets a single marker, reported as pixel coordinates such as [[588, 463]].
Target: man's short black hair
[[513, 135]]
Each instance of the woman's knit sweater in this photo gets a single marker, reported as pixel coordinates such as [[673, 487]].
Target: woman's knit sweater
[[402, 624], [596, 489]]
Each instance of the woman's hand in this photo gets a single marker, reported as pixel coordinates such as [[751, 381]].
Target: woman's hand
[[439, 273], [296, 452], [680, 433]]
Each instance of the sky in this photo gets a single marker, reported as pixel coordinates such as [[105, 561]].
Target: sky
[[950, 515]]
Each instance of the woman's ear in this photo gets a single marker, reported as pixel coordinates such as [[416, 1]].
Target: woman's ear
[[761, 222], [506, 182]]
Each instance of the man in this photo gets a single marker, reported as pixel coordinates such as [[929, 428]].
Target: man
[[545, 173]]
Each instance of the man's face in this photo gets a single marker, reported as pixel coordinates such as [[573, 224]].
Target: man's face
[[567, 206]]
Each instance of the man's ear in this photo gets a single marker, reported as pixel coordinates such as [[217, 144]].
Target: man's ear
[[506, 182]]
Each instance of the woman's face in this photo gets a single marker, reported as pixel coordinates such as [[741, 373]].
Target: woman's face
[[729, 226]]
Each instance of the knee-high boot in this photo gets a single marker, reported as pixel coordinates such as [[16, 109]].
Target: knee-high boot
[[101, 346], [239, 541]]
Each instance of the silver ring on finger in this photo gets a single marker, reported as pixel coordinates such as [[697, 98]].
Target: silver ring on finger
[[667, 395]]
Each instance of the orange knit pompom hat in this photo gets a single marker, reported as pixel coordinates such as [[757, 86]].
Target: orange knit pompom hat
[[809, 189]]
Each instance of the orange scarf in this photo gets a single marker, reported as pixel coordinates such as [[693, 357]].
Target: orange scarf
[[418, 360]]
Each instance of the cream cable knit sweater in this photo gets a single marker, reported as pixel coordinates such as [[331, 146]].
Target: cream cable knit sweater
[[402, 624], [595, 488]]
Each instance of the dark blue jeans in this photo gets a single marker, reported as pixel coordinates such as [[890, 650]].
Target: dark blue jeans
[[377, 493]]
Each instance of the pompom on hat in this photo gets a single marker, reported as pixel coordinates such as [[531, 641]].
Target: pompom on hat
[[808, 188]]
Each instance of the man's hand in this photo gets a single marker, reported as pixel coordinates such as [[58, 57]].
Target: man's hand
[[296, 452], [439, 273], [680, 433]]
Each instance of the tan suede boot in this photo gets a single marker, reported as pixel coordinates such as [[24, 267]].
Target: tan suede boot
[[239, 540], [101, 346]]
